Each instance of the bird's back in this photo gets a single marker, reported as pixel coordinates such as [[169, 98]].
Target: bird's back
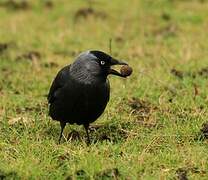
[[73, 101]]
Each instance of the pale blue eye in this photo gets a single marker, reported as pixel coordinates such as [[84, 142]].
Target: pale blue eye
[[102, 62]]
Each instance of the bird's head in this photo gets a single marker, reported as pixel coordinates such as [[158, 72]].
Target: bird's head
[[95, 64]]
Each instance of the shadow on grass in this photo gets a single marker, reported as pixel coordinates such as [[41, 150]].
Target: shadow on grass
[[105, 174], [113, 133], [8, 175]]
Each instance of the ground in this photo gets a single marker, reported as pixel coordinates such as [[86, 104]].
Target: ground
[[154, 126]]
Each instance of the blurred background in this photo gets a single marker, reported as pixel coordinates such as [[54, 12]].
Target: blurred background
[[165, 42]]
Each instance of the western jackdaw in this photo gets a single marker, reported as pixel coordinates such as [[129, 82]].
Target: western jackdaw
[[81, 90]]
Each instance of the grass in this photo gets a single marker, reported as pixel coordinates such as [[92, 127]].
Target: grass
[[150, 129]]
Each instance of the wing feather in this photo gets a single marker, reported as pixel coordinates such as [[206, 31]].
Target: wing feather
[[59, 82]]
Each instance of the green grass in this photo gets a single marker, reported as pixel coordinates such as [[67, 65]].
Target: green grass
[[153, 137]]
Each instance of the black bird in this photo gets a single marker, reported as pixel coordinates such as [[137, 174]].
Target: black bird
[[81, 90]]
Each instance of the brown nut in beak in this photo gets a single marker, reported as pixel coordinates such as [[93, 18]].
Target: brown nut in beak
[[126, 70], [116, 62]]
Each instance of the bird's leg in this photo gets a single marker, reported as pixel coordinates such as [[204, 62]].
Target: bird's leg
[[62, 124], [86, 126]]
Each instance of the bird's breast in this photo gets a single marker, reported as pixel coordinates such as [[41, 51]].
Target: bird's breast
[[89, 102], [96, 98], [79, 102]]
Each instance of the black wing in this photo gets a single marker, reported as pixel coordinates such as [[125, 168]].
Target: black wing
[[59, 81]]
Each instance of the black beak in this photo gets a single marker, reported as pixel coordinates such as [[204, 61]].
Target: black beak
[[116, 62]]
